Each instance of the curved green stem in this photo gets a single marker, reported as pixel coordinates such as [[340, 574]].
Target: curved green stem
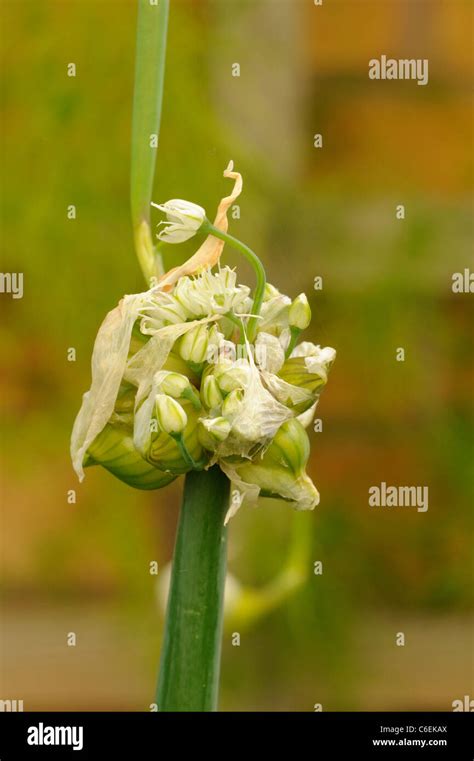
[[238, 324], [254, 603], [257, 265], [190, 659], [294, 335]]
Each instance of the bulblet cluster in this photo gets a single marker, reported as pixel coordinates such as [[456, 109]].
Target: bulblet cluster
[[197, 370], [191, 391]]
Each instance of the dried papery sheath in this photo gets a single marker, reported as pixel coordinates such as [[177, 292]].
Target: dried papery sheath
[[209, 253], [109, 358], [269, 353]]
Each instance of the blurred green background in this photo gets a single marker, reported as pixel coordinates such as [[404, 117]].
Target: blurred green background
[[308, 212]]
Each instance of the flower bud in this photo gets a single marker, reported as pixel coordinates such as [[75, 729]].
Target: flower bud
[[178, 386], [175, 364], [212, 431], [299, 315], [193, 345], [274, 314], [183, 220], [236, 377], [224, 364], [210, 393], [173, 452], [232, 403], [270, 292], [170, 415], [173, 384]]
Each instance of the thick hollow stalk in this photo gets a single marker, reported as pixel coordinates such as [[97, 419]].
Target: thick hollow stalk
[[190, 658], [152, 27]]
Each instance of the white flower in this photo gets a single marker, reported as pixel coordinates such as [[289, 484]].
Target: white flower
[[308, 349], [211, 293], [183, 220], [317, 361], [160, 309]]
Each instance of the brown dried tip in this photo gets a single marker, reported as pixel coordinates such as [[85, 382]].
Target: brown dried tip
[[209, 253]]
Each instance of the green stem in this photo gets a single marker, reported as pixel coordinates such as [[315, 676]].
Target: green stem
[[190, 659], [147, 100], [193, 397], [252, 257], [185, 453], [294, 335]]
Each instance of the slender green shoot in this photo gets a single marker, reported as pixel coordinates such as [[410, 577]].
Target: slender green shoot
[[147, 100]]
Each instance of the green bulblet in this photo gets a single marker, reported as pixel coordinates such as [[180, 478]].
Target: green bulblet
[[166, 453], [290, 448], [176, 364], [170, 415], [281, 472], [294, 371], [113, 449], [299, 313], [211, 395], [193, 345]]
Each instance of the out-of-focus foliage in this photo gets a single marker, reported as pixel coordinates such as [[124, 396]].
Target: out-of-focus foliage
[[308, 212]]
